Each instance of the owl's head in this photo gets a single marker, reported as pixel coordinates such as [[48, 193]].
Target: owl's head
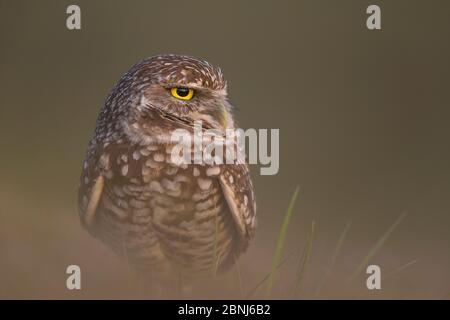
[[168, 92]]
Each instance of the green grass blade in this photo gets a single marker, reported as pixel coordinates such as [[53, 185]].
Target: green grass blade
[[377, 246], [303, 261], [334, 256], [280, 243], [217, 264], [400, 269], [216, 257], [338, 247], [238, 271], [259, 284]]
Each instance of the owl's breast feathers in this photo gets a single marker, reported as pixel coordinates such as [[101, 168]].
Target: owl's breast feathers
[[159, 214]]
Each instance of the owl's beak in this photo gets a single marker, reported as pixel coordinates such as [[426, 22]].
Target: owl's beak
[[217, 117], [223, 118]]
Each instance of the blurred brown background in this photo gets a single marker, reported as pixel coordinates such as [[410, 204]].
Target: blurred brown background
[[363, 118]]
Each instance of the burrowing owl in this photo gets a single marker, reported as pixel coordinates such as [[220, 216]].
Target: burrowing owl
[[160, 215]]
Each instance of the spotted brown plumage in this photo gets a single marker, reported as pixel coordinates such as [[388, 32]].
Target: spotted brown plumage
[[160, 215]]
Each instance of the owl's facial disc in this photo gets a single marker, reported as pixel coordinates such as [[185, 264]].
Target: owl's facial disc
[[175, 92]]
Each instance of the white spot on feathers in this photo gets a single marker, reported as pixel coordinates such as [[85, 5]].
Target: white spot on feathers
[[213, 171], [204, 184]]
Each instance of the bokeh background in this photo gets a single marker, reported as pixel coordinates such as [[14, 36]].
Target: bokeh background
[[363, 118]]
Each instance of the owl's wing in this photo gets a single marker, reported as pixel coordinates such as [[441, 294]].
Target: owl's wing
[[90, 191], [94, 197], [100, 162], [237, 188]]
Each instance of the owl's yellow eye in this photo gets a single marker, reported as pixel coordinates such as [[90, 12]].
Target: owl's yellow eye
[[182, 93]]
